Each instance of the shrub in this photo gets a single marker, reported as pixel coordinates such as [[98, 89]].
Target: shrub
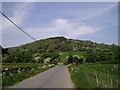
[[93, 57], [18, 57], [51, 58], [74, 59]]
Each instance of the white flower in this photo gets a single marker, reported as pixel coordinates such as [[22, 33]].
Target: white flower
[[19, 70], [6, 68], [36, 58], [67, 57], [76, 56], [68, 65], [61, 53], [4, 73], [72, 68], [44, 66], [50, 65], [47, 60], [32, 69]]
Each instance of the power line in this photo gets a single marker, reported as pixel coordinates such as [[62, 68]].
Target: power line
[[17, 26]]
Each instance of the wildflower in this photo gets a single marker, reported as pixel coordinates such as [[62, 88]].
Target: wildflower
[[6, 68], [47, 60], [19, 70], [77, 56]]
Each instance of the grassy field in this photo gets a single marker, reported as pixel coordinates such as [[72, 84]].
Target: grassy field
[[13, 73], [95, 75]]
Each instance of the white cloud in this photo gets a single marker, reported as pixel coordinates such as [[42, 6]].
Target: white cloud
[[62, 27], [97, 12], [12, 36], [61, 21], [57, 27], [19, 15]]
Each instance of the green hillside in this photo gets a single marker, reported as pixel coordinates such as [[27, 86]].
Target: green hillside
[[62, 44], [59, 48], [90, 63]]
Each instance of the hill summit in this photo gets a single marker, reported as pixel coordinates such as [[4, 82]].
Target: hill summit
[[61, 44]]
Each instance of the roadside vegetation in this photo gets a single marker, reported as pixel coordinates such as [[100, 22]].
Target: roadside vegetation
[[24, 64], [12, 75], [85, 57], [90, 69], [95, 75]]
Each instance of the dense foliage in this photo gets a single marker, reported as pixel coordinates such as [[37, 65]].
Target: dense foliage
[[92, 57], [25, 56], [109, 57], [50, 58], [47, 51], [74, 59], [17, 57]]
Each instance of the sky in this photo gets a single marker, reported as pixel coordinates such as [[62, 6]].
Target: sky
[[95, 21]]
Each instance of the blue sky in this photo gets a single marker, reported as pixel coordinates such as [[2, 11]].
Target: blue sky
[[95, 21]]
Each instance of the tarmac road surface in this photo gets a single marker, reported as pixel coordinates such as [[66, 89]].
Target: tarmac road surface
[[57, 77]]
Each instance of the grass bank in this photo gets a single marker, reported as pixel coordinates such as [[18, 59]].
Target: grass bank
[[95, 75]]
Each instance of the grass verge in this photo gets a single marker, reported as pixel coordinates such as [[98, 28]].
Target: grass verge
[[11, 80], [95, 76]]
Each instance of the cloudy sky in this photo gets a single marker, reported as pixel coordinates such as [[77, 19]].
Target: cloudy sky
[[95, 21]]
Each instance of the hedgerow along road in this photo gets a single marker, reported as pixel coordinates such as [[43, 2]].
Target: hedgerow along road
[[57, 77]]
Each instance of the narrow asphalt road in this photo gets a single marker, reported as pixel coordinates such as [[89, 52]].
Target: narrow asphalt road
[[57, 77]]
